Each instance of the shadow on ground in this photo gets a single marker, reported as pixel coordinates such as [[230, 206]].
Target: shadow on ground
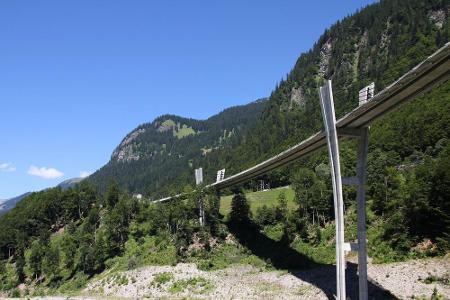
[[281, 256]]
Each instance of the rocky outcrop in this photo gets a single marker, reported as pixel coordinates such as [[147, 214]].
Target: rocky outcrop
[[125, 151], [297, 97], [438, 17], [325, 55], [166, 126]]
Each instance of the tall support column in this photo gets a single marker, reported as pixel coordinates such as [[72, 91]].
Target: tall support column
[[201, 208], [361, 208], [201, 212], [329, 119]]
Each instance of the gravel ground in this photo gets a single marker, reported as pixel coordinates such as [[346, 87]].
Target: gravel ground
[[237, 282], [404, 280]]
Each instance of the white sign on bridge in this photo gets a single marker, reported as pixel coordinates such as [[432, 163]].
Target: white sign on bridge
[[198, 176], [366, 93], [220, 175]]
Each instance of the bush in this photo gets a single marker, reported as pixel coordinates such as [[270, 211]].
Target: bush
[[14, 293], [275, 232], [265, 215], [196, 285], [161, 279], [76, 283], [223, 256], [133, 263]]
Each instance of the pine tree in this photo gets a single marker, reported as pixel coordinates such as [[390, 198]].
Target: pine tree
[[112, 194], [240, 209]]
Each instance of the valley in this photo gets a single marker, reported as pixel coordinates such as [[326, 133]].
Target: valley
[[272, 236]]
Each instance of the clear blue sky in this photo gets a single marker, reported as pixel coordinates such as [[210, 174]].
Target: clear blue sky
[[77, 76]]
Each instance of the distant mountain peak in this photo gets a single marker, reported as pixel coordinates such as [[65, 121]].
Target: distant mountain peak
[[69, 183], [6, 205]]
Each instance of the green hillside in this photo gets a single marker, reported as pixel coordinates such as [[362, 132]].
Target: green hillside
[[259, 199]]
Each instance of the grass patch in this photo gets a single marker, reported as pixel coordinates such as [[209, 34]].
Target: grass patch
[[268, 287], [121, 280], [223, 256], [14, 293], [275, 232], [434, 296], [445, 279], [184, 131], [150, 250], [168, 123], [258, 199], [117, 279], [303, 290], [322, 254], [160, 279], [198, 285], [75, 284]]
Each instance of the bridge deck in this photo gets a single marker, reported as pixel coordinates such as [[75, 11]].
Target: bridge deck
[[428, 74]]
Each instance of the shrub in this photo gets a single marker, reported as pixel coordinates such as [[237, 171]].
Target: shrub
[[14, 293], [196, 284], [265, 215], [161, 278], [133, 263]]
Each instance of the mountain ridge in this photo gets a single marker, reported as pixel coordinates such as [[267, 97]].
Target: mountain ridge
[[8, 204], [174, 145]]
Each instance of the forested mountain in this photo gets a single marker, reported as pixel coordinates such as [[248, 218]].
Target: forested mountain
[[159, 156], [59, 236], [377, 44]]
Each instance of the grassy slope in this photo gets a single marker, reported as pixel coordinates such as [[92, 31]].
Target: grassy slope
[[265, 243], [258, 199], [184, 131]]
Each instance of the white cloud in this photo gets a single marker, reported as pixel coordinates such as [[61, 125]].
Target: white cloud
[[7, 167], [84, 174], [47, 173]]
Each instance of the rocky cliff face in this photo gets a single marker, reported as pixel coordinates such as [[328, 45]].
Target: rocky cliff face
[[125, 151]]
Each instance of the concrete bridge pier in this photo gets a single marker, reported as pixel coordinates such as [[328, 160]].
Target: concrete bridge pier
[[201, 207], [332, 136]]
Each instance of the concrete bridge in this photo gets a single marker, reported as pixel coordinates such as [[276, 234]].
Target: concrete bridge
[[427, 75]]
